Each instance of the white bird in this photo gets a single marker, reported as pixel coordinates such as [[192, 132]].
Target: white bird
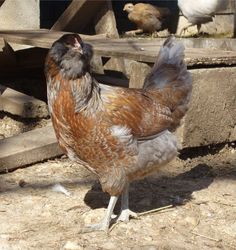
[[199, 12]]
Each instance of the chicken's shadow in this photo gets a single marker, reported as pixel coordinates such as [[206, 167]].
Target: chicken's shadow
[[154, 192]]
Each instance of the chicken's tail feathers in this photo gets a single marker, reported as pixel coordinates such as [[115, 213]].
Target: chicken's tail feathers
[[169, 74], [172, 52], [169, 66]]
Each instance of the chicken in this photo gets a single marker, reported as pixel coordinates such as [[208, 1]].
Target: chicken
[[147, 17], [120, 134], [201, 11]]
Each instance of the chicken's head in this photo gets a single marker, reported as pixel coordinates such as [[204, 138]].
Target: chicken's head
[[71, 55], [129, 7]]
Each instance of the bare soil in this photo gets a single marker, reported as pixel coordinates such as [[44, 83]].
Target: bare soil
[[200, 186], [11, 125]]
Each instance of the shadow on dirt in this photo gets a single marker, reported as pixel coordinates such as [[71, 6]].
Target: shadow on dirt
[[152, 193], [145, 195]]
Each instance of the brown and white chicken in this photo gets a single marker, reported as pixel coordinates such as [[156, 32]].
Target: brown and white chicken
[[120, 134], [147, 17], [200, 12]]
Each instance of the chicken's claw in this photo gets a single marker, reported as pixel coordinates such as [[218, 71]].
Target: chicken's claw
[[105, 223], [102, 226], [126, 214]]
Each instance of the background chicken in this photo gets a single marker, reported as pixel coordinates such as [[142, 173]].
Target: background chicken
[[147, 17], [201, 11], [119, 134]]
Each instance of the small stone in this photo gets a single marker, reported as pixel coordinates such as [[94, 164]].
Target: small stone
[[93, 216], [72, 246], [191, 220], [109, 245], [230, 229], [148, 238], [233, 151]]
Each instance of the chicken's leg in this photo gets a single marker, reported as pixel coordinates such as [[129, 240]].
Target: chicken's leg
[[185, 28], [105, 223], [125, 212], [198, 28]]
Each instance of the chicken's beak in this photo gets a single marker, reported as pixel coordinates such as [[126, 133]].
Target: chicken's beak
[[78, 46], [124, 9]]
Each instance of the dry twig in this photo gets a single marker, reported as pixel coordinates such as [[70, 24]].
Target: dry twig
[[206, 237], [156, 210]]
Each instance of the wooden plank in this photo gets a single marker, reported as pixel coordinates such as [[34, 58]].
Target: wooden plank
[[105, 22], [17, 103], [138, 72], [28, 148], [68, 15], [1, 2], [39, 38], [78, 15], [124, 48], [110, 80]]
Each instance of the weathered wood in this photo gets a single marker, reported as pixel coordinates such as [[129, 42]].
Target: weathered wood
[[20, 14], [1, 2], [28, 148], [124, 48], [113, 81], [105, 22], [20, 104], [39, 38], [64, 20], [78, 15], [138, 72]]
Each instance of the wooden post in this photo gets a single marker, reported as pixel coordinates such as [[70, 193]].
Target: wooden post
[[138, 72], [105, 22]]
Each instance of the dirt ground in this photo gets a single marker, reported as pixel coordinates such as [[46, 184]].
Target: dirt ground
[[200, 187]]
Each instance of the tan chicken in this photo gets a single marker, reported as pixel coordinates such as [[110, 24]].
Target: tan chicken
[[120, 134], [147, 17]]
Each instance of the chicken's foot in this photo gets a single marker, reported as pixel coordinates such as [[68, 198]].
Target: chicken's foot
[[183, 30], [105, 222], [126, 213], [134, 32]]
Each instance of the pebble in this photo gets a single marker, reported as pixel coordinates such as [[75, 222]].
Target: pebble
[[233, 151], [93, 216], [191, 220], [109, 245], [231, 229], [72, 246]]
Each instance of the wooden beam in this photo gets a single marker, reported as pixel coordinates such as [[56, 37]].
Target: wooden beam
[[138, 50], [110, 80], [138, 72], [1, 2], [41, 38], [105, 22], [17, 103], [28, 148], [78, 15]]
